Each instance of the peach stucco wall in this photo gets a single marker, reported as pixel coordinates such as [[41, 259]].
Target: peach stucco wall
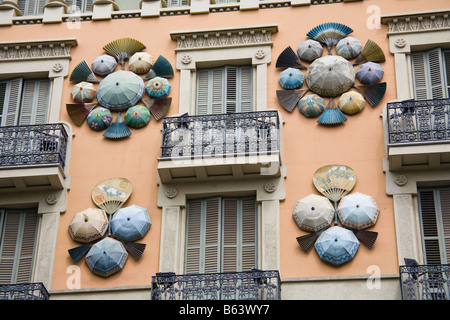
[[357, 143]]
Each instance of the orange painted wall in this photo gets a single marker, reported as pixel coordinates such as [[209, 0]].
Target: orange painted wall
[[357, 143]]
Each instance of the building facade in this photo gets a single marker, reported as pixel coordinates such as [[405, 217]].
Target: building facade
[[222, 165]]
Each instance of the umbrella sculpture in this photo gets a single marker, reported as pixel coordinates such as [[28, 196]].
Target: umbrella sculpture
[[369, 73], [140, 62], [313, 213], [311, 105], [291, 78], [348, 47], [130, 223], [99, 119], [330, 76], [137, 116], [309, 50], [88, 225], [337, 245], [358, 211], [83, 92], [158, 87], [104, 65], [120, 90], [106, 257], [351, 102]]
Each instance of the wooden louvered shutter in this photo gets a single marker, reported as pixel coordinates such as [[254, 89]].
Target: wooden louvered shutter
[[245, 86], [447, 71], [32, 7], [231, 90], [18, 231], [210, 91], [34, 102], [444, 197], [428, 74], [11, 103], [202, 92]]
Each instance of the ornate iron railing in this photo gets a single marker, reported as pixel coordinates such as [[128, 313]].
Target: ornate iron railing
[[222, 134], [418, 121], [248, 285], [42, 144], [24, 291], [425, 282]]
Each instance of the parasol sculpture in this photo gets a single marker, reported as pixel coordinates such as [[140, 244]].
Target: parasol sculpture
[[329, 33], [111, 194], [358, 211], [158, 107], [369, 73], [137, 117], [291, 78], [158, 87], [332, 115], [373, 93], [83, 92], [370, 52], [140, 62], [289, 59], [99, 119], [120, 90], [337, 245], [334, 182], [83, 72], [79, 111], [118, 129], [351, 102], [122, 49], [311, 105], [161, 68], [348, 48], [330, 76], [104, 65], [309, 50], [106, 257]]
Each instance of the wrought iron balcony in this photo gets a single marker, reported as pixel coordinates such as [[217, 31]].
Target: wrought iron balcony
[[227, 143], [250, 285], [24, 291], [425, 282], [33, 155], [418, 133]]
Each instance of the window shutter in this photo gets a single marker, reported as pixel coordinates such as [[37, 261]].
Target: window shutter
[[444, 196], [231, 88], [217, 88], [246, 89], [212, 233], [429, 227], [428, 74], [230, 235], [248, 237], [202, 92], [32, 7], [34, 102], [12, 102], [447, 71], [2, 99]]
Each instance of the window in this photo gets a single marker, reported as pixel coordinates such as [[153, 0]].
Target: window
[[224, 90], [177, 3], [18, 233], [80, 5], [32, 7], [24, 102], [434, 208], [220, 235], [431, 74]]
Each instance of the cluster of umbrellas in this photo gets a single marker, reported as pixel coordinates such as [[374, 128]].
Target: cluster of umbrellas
[[107, 253], [121, 91], [331, 76], [356, 212]]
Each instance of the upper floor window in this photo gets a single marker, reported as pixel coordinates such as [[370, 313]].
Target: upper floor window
[[80, 5], [24, 101], [431, 74], [32, 7], [224, 90], [177, 3]]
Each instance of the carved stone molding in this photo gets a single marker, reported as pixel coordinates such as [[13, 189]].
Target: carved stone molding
[[417, 22], [36, 50]]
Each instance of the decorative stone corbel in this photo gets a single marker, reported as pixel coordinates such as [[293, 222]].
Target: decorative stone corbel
[[8, 10], [102, 9], [54, 10], [150, 8]]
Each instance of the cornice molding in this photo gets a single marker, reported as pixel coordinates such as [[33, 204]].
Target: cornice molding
[[414, 22], [36, 49]]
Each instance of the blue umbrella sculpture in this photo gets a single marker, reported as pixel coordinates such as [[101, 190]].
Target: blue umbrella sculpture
[[291, 78], [337, 245], [106, 257], [130, 223], [369, 73]]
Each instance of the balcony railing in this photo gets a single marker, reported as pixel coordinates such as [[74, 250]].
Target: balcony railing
[[43, 144], [249, 285], [223, 134], [418, 121], [425, 282], [24, 291]]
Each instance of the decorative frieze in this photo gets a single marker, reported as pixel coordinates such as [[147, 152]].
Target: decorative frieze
[[417, 22], [35, 50]]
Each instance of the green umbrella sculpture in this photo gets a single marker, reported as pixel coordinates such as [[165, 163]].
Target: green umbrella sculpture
[[98, 119], [158, 87], [137, 117]]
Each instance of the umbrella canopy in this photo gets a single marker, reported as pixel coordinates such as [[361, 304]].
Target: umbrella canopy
[[358, 211], [291, 78], [83, 92], [104, 65], [106, 257], [120, 90], [351, 102], [140, 62], [348, 48], [337, 245], [88, 225], [309, 50], [369, 73], [158, 87], [99, 119], [330, 76], [137, 116], [130, 223], [311, 105], [313, 213]]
